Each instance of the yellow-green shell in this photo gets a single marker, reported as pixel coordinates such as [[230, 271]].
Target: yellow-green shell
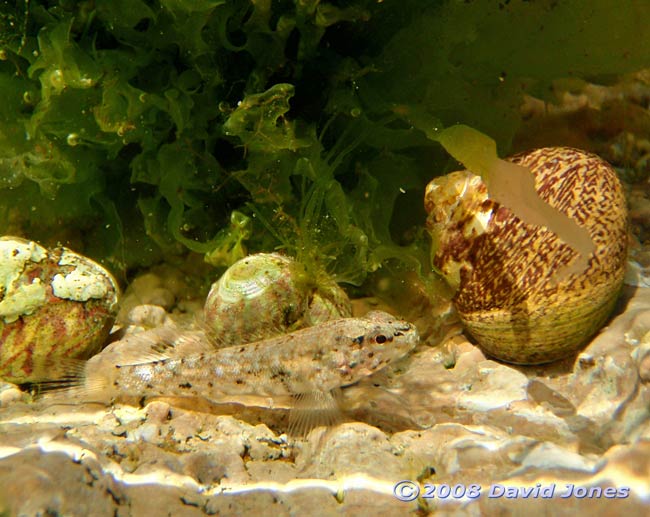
[[267, 294], [53, 304], [503, 268]]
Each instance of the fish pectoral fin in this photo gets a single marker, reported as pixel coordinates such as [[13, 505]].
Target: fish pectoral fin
[[314, 409]]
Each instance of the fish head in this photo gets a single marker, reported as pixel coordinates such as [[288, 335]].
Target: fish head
[[384, 340]]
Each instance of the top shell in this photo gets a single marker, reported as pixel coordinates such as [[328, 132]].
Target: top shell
[[267, 294], [53, 303], [503, 269]]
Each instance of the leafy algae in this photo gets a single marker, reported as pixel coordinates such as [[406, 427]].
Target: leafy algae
[[155, 127]]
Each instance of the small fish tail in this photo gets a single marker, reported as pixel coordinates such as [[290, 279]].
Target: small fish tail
[[69, 377]]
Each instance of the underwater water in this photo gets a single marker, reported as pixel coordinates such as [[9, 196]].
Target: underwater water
[[165, 141]]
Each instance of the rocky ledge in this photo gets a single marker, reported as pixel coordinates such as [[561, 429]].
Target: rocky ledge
[[469, 433]]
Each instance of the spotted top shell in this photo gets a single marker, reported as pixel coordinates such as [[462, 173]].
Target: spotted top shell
[[53, 303], [503, 268]]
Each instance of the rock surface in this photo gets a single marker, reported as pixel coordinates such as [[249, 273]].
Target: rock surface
[[487, 437]]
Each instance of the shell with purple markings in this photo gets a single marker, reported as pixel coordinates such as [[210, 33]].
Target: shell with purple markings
[[503, 269], [268, 294], [53, 304]]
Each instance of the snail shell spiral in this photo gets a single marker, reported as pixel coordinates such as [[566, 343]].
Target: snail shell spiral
[[267, 294], [503, 268]]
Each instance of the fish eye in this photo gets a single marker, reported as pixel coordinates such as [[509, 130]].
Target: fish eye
[[380, 339]]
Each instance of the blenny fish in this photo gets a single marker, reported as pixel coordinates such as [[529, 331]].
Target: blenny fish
[[307, 364]]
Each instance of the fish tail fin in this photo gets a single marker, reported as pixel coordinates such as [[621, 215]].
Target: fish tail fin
[[70, 378]]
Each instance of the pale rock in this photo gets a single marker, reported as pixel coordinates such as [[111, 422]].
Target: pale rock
[[161, 297], [207, 469], [550, 455], [348, 449], [146, 289], [262, 445], [146, 433], [278, 471], [495, 386], [9, 393], [147, 316], [158, 412]]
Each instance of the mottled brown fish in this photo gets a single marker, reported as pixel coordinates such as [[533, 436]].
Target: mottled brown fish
[[306, 364]]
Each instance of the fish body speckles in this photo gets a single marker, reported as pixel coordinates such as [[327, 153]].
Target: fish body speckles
[[316, 359]]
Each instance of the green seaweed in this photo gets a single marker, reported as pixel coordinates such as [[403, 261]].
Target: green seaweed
[[151, 128]]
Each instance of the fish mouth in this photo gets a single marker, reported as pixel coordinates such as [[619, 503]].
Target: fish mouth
[[412, 339]]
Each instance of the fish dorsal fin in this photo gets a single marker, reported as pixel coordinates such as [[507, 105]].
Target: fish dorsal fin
[[314, 409], [166, 343], [148, 354], [212, 341], [218, 341]]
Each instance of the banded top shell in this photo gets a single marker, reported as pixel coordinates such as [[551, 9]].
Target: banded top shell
[[503, 268], [53, 303], [267, 294]]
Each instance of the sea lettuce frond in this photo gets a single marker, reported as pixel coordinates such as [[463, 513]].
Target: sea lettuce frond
[[306, 199]]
